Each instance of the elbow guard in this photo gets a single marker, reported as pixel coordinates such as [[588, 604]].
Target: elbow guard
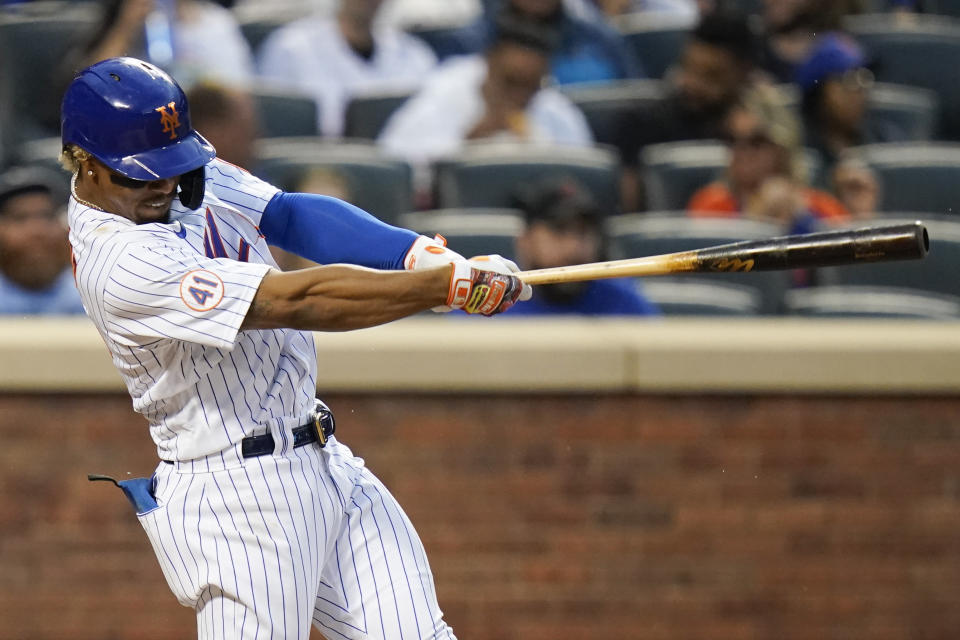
[[192, 185]]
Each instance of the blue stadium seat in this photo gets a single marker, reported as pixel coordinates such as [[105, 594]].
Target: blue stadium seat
[[33, 45], [673, 171], [656, 39], [377, 184], [605, 104], [692, 296], [490, 174], [441, 39], [257, 30], [368, 113], [44, 152], [936, 273], [920, 176], [646, 234], [470, 232], [922, 52], [913, 110], [942, 7], [258, 20], [870, 302], [285, 114]]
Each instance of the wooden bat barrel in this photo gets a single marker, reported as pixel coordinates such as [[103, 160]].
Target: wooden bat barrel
[[820, 249]]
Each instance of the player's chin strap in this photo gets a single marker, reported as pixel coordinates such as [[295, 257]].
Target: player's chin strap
[[192, 186]]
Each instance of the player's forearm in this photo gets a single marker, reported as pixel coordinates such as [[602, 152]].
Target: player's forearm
[[341, 297]]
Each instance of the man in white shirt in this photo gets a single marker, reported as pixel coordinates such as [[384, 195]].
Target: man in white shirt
[[333, 58], [205, 42], [497, 95]]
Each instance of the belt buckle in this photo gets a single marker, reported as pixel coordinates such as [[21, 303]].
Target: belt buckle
[[321, 436], [323, 417]]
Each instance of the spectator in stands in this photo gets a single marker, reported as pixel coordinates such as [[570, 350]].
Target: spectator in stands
[[766, 177], [206, 41], [715, 67], [590, 50], [35, 274], [332, 58], [836, 85], [495, 96], [791, 27], [227, 117], [564, 226], [856, 186]]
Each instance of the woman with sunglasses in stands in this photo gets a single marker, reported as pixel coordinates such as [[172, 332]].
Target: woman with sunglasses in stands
[[836, 84], [766, 174]]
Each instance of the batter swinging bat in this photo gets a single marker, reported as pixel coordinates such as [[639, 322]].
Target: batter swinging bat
[[821, 249]]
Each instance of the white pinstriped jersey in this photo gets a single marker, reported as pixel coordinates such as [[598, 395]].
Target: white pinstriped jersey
[[168, 300], [260, 547]]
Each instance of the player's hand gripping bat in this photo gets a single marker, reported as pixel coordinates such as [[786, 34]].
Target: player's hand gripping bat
[[821, 249]]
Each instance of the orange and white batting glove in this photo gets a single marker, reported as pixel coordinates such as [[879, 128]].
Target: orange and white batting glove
[[505, 266], [429, 252], [486, 285]]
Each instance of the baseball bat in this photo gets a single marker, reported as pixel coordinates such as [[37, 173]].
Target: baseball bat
[[820, 249]]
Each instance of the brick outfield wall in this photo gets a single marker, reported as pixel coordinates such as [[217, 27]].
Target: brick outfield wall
[[545, 517]]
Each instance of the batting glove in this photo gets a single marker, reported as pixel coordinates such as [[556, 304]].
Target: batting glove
[[476, 288], [429, 252], [499, 264]]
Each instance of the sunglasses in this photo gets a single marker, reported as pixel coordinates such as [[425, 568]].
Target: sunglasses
[[127, 183], [861, 79]]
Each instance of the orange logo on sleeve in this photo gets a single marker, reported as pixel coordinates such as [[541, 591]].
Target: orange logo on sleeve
[[170, 121], [201, 290]]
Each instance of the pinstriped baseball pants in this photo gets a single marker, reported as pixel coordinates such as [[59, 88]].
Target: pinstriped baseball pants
[[263, 547]]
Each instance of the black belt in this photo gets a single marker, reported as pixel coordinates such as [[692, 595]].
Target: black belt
[[318, 429]]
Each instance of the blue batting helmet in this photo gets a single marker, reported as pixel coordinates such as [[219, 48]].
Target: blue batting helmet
[[133, 117]]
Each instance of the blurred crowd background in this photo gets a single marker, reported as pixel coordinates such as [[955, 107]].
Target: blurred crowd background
[[550, 131]]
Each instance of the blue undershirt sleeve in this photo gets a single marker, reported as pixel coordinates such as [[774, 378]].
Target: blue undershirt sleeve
[[327, 230]]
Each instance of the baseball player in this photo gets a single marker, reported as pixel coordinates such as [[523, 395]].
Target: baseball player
[[261, 520]]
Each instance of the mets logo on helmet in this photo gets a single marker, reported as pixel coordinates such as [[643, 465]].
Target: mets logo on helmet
[[170, 120]]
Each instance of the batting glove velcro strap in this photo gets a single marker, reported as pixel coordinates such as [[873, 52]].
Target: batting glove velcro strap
[[429, 252], [479, 291]]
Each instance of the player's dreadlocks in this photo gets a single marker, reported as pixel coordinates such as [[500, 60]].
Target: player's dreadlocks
[[71, 157]]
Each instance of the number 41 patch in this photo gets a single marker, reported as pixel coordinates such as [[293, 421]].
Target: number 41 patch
[[201, 290]]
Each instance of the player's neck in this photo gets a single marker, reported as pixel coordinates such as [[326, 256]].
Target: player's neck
[[81, 193]]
